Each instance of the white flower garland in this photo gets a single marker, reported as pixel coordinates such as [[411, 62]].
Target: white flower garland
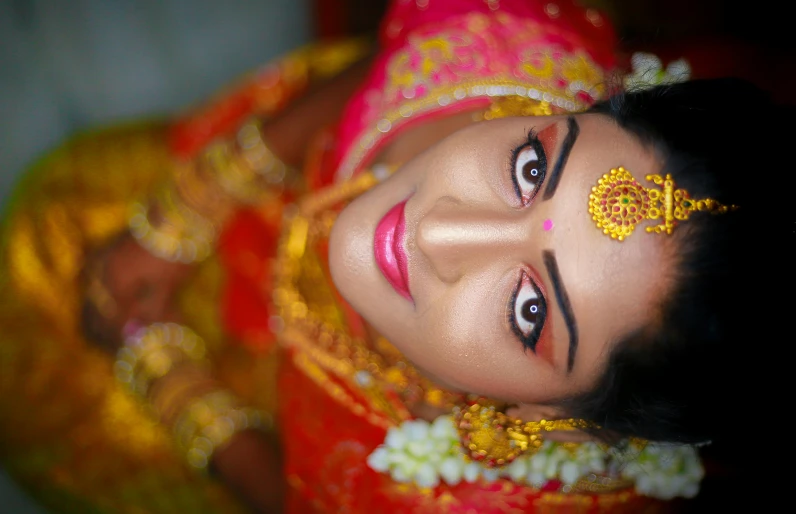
[[648, 71], [429, 453]]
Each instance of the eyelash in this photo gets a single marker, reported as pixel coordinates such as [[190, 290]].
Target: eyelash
[[531, 339], [533, 145]]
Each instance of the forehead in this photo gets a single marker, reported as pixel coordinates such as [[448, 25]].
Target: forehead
[[614, 287]]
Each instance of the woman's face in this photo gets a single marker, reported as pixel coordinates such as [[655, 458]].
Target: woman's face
[[478, 259]]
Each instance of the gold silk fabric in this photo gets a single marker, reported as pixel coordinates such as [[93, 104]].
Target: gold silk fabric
[[69, 433]]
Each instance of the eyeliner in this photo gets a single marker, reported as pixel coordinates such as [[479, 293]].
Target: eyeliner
[[532, 339], [536, 144]]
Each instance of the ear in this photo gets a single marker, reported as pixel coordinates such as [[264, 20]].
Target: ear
[[538, 412]]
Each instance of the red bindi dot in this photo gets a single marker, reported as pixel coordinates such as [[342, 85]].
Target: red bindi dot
[[547, 225]]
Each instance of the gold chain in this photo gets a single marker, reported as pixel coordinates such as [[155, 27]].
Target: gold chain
[[375, 368]]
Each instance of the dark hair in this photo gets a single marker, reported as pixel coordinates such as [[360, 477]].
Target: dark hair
[[707, 362]]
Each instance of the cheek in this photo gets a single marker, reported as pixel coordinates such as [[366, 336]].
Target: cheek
[[463, 340]]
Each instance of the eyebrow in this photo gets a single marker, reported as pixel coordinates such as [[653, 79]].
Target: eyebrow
[[573, 130], [563, 302]]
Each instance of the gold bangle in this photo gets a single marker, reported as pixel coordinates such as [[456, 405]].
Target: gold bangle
[[154, 351], [245, 167], [210, 421], [171, 394], [181, 235], [210, 416], [258, 155]]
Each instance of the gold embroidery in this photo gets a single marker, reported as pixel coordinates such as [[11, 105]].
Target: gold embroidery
[[463, 64]]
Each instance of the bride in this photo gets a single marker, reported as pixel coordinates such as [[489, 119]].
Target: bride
[[455, 272]]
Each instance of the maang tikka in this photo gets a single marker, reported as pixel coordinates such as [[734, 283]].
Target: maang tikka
[[618, 203]]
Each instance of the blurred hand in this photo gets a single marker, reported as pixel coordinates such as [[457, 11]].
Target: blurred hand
[[127, 288], [251, 465]]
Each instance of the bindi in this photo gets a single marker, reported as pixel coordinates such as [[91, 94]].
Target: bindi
[[547, 225]]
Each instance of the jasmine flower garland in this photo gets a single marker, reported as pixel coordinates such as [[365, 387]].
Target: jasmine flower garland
[[427, 454], [648, 71]]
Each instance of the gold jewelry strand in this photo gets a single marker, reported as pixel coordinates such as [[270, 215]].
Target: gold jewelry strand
[[345, 357], [245, 167], [182, 220], [170, 394], [495, 439], [211, 416], [179, 236], [153, 352], [210, 421], [339, 193]]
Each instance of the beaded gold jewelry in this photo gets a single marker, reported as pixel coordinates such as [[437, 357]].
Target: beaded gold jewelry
[[383, 375], [181, 221], [495, 439], [153, 351], [618, 203], [210, 421], [374, 369], [180, 235], [170, 394], [203, 416], [245, 167]]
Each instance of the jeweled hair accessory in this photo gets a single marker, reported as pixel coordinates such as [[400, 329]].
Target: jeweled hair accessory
[[618, 203]]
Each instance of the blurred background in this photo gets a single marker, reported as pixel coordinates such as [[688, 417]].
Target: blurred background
[[67, 66]]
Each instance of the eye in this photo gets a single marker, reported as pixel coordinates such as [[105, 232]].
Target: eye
[[527, 311], [529, 166]]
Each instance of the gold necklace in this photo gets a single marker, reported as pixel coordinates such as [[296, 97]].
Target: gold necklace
[[375, 370]]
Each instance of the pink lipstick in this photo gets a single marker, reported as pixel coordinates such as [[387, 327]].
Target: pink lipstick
[[388, 246]]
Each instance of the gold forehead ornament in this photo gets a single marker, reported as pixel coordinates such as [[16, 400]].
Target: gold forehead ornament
[[618, 203]]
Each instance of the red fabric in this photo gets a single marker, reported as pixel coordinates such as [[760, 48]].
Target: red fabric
[[247, 248], [432, 49], [262, 92], [326, 447]]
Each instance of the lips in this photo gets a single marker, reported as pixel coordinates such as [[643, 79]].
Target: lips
[[388, 245]]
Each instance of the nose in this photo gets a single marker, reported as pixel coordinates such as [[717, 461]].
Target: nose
[[457, 238]]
